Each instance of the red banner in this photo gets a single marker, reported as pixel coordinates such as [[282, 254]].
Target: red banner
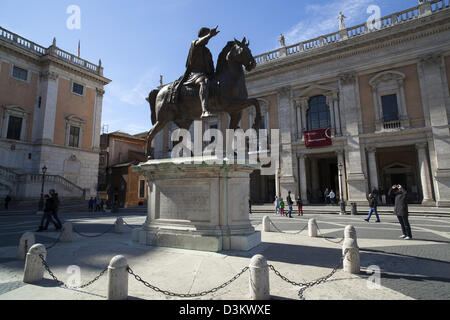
[[318, 138]]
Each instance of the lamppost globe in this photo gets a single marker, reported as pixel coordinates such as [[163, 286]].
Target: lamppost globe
[[44, 170]]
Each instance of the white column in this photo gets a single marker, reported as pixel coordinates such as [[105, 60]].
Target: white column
[[425, 178], [49, 94], [303, 180], [286, 125], [330, 104], [97, 121], [373, 172], [300, 127], [337, 117], [434, 91], [356, 180], [304, 108]]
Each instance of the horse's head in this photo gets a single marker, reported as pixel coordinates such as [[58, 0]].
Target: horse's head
[[241, 53]]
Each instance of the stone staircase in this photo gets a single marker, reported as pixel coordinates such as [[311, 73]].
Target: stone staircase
[[25, 190]]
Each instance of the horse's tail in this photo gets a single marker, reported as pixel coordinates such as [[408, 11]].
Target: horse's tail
[[152, 101]]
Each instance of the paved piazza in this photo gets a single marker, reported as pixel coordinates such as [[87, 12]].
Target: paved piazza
[[417, 269]]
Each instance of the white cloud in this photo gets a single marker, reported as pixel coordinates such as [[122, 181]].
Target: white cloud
[[323, 19]]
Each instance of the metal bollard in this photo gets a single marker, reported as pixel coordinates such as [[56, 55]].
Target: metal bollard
[[312, 228], [266, 224], [259, 278], [34, 269], [119, 226], [350, 251], [118, 278], [26, 242], [66, 232]]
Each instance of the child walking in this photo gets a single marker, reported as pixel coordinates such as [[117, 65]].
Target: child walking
[[281, 207]]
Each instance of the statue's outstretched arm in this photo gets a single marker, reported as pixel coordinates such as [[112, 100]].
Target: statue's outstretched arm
[[204, 40]]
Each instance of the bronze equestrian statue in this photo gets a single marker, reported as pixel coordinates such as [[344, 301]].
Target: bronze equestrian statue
[[221, 91]]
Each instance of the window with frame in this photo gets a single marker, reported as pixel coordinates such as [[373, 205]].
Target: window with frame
[[74, 137], [318, 116], [77, 88], [390, 108], [14, 128], [20, 73]]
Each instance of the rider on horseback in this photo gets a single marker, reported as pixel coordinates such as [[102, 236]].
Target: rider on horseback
[[200, 67]]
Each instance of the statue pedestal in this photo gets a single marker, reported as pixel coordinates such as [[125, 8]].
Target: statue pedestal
[[201, 207]]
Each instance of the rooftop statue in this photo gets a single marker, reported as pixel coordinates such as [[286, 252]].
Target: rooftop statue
[[202, 91]]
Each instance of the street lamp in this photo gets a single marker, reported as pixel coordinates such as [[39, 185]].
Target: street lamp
[[41, 201], [341, 193]]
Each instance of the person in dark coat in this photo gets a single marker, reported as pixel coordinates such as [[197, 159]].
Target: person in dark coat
[[373, 204], [401, 209], [48, 212], [290, 204], [7, 201], [55, 210]]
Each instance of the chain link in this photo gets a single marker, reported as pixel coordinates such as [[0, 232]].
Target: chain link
[[61, 283], [54, 243], [325, 238], [281, 231], [187, 295], [307, 284], [94, 236]]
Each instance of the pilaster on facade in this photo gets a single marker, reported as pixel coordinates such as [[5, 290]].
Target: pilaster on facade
[[47, 113]]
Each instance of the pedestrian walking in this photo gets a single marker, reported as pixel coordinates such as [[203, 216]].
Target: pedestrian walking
[[55, 210], [326, 195], [91, 204], [98, 204], [332, 196], [373, 205], [290, 204], [401, 209], [281, 207], [7, 201], [300, 206], [47, 217], [277, 205]]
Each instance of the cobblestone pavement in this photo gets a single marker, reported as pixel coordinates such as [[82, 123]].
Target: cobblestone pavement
[[419, 268]]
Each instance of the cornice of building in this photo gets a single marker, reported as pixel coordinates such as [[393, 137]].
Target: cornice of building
[[43, 57], [417, 28]]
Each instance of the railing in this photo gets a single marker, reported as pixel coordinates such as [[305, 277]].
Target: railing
[[37, 178], [356, 31], [392, 125], [32, 47], [8, 174]]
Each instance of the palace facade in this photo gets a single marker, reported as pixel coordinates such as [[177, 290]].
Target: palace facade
[[50, 111], [382, 90]]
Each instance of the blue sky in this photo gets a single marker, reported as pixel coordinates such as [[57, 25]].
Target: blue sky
[[139, 40]]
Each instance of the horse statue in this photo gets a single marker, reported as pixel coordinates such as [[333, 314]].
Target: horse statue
[[227, 93]]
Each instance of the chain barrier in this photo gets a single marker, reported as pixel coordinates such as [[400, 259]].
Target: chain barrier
[[324, 237], [61, 283], [92, 236], [129, 225], [187, 295], [281, 231], [54, 243], [310, 284]]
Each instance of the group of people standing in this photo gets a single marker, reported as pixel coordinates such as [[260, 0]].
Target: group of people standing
[[51, 207], [97, 205], [280, 206], [329, 196]]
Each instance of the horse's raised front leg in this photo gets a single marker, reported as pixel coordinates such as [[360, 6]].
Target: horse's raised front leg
[[234, 120]]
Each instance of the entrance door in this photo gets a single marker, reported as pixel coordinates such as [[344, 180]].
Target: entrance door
[[400, 179]]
